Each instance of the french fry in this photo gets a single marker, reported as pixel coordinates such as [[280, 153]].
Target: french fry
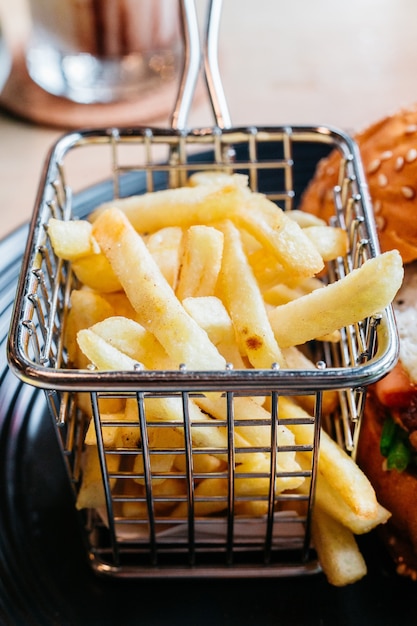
[[134, 340], [241, 295], [331, 242], [102, 354], [159, 464], [202, 463], [258, 436], [86, 308], [304, 219], [280, 235], [120, 304], [297, 360], [251, 508], [165, 245], [339, 469], [329, 500], [210, 497], [156, 305], [217, 179], [165, 494], [71, 239], [94, 271], [109, 433], [281, 293], [210, 313], [91, 493], [183, 206], [347, 301], [338, 552], [200, 262]]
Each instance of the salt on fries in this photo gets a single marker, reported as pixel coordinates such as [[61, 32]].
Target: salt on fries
[[208, 275]]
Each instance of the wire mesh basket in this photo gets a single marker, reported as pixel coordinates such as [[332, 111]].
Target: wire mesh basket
[[153, 518]]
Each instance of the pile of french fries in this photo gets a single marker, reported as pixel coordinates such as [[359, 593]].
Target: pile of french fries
[[213, 275]]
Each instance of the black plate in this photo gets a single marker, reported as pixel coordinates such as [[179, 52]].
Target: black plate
[[45, 578]]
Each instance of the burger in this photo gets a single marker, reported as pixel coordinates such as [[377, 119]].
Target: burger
[[387, 446]]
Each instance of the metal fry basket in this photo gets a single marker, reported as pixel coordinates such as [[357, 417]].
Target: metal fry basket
[[151, 518]]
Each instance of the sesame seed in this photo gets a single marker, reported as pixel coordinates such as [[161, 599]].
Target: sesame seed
[[410, 129], [386, 155], [373, 166], [377, 206], [382, 180], [411, 155], [399, 162], [380, 222], [408, 192]]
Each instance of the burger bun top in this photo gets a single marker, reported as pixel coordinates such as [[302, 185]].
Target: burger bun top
[[388, 150]]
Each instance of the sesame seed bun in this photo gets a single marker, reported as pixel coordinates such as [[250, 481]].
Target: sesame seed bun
[[389, 154]]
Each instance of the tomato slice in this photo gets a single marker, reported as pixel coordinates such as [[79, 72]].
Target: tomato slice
[[395, 390]]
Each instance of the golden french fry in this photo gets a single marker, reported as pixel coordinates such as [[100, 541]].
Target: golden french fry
[[102, 354], [200, 262], [94, 271], [202, 463], [206, 434], [120, 304], [210, 498], [160, 464], [217, 178], [86, 308], [134, 340], [305, 219], [166, 494], [71, 239], [365, 291], [166, 248], [280, 235], [257, 436], [331, 242], [268, 270], [339, 469], [297, 360], [281, 293], [156, 305], [331, 502], [338, 552], [251, 508], [109, 431], [161, 442], [183, 206], [210, 313], [91, 493], [284, 291], [242, 298]]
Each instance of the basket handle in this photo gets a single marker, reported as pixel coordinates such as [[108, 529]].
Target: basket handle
[[197, 58]]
